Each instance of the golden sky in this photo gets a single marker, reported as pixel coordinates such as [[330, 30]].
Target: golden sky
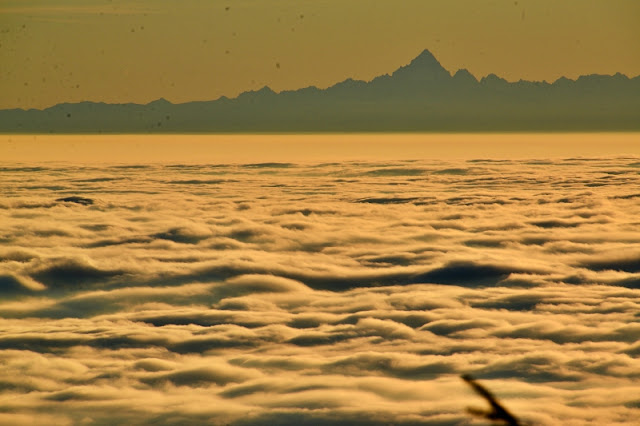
[[138, 51]]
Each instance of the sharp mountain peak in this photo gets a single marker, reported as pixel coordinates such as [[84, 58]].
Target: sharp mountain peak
[[425, 65]]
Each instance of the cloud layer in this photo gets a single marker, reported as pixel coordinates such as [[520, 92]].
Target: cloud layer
[[336, 293]]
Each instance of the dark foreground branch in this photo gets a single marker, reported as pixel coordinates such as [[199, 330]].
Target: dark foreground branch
[[497, 412]]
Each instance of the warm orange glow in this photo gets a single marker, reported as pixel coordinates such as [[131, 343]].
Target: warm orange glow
[[117, 51], [309, 148]]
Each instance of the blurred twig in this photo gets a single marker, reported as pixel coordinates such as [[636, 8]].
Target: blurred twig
[[497, 412]]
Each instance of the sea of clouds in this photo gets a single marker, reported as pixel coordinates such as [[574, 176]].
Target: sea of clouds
[[344, 293]]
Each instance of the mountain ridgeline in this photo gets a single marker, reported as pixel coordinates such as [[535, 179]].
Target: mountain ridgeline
[[419, 97]]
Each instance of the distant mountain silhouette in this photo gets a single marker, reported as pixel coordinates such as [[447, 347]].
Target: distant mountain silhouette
[[420, 96]]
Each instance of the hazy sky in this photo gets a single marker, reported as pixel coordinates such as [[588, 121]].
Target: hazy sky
[[138, 51]]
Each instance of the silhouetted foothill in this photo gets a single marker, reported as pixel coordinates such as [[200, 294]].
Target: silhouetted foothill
[[77, 200]]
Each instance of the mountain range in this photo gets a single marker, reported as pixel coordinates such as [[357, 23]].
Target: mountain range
[[420, 96]]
